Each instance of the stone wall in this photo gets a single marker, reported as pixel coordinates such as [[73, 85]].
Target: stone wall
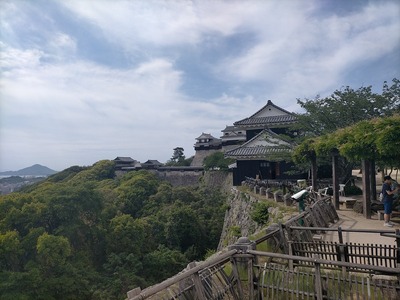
[[200, 155], [237, 217], [180, 178]]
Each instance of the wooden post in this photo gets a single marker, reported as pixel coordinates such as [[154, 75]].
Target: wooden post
[[335, 177], [250, 276], [398, 247], [197, 283], [290, 243], [373, 180], [242, 245], [235, 271], [366, 188], [318, 281], [342, 250], [314, 172]]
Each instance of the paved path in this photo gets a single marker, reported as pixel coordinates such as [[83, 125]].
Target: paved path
[[351, 220]]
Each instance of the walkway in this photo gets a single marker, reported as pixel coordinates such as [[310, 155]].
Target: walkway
[[351, 220]]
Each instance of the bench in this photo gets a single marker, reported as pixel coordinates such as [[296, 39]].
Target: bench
[[348, 202], [382, 212]]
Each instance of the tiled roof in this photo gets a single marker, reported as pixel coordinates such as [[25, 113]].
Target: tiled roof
[[258, 151], [153, 162], [210, 143], [205, 136], [265, 117], [269, 103], [124, 158], [271, 120], [232, 128], [260, 147]]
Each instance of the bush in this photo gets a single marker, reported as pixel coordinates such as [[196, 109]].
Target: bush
[[260, 213], [236, 231], [217, 161]]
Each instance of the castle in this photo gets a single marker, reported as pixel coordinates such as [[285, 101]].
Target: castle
[[259, 144], [256, 144]]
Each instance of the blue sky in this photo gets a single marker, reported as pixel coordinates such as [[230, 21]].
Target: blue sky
[[87, 80]]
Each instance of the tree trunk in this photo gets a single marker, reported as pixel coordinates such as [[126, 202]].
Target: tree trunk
[[335, 180], [373, 180], [314, 172], [366, 188]]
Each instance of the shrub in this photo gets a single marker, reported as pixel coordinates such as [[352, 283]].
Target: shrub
[[260, 213]]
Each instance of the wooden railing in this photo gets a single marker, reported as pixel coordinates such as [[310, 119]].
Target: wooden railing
[[296, 266]]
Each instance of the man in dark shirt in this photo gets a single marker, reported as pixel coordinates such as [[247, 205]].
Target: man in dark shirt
[[388, 193]]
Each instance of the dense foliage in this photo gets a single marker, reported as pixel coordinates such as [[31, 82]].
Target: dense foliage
[[217, 161], [329, 117], [377, 139], [346, 107], [179, 159], [83, 234]]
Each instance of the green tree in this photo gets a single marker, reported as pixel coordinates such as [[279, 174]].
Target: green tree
[[346, 107], [217, 161], [10, 251], [178, 155], [377, 139], [127, 234], [52, 252], [184, 230], [178, 158], [260, 213], [135, 190], [343, 108], [85, 234], [163, 263], [54, 275]]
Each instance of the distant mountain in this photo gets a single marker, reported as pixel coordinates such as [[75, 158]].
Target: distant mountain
[[35, 170]]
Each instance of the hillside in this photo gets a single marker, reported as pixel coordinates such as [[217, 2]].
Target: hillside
[[35, 170], [85, 234]]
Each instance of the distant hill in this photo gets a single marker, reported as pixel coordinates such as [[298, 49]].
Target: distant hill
[[35, 170]]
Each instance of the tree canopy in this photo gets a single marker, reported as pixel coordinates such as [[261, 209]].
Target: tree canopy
[[346, 107], [217, 161], [179, 159], [377, 139], [85, 234], [326, 125]]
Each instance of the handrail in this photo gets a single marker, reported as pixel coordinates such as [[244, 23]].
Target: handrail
[[170, 281], [385, 234], [342, 229], [323, 261], [266, 237]]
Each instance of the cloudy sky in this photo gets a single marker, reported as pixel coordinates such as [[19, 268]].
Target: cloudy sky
[[87, 80]]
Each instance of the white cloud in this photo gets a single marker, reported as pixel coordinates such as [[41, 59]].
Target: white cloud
[[309, 54], [61, 45], [81, 108], [16, 58], [59, 105], [133, 22]]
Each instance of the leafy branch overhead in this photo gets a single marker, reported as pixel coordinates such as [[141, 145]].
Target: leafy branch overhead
[[360, 124], [346, 107]]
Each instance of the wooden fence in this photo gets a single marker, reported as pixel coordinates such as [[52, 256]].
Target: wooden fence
[[297, 267]]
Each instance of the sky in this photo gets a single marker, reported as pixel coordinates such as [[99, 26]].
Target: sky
[[82, 81]]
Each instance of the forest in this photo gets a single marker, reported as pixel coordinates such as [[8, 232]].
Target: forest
[[85, 234]]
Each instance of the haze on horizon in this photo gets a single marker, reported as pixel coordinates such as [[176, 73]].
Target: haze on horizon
[[83, 81]]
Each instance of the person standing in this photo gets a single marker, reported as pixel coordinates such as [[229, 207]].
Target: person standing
[[388, 193]]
